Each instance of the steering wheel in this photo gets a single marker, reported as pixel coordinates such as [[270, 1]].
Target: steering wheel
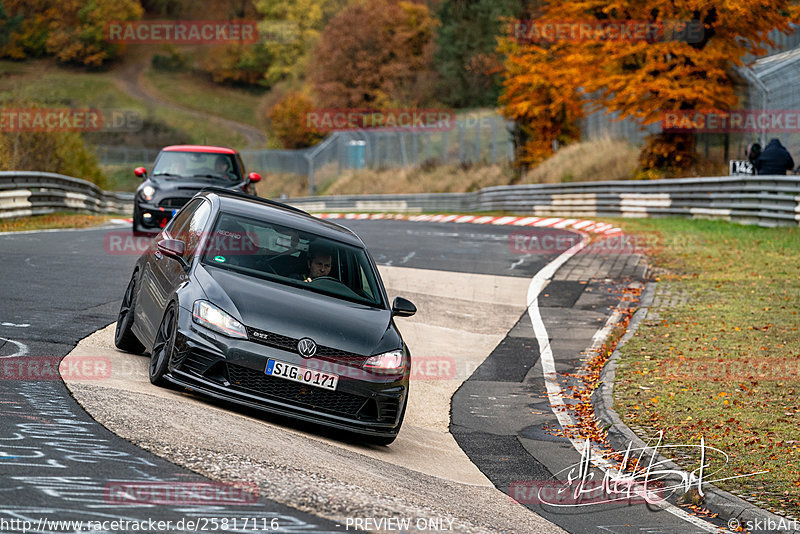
[[327, 278]]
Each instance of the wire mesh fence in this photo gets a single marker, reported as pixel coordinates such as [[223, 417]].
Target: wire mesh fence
[[472, 139]]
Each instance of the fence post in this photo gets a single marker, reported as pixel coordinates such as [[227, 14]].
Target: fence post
[[478, 140], [310, 174], [460, 143], [494, 141], [444, 147]]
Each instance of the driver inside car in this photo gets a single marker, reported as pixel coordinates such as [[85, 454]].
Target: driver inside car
[[222, 166], [319, 263]]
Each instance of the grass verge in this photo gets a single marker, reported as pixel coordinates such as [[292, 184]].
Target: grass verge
[[718, 355], [198, 93], [54, 86], [54, 221]]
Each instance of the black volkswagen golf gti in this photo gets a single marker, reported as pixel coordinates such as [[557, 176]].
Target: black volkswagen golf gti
[[258, 303]]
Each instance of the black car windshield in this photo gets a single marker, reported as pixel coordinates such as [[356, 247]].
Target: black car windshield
[[199, 165], [288, 256]]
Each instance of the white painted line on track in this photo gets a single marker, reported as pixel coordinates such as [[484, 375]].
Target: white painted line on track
[[564, 223], [548, 222], [555, 393], [22, 348]]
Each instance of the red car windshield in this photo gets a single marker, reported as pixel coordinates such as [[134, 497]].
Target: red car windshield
[[204, 165]]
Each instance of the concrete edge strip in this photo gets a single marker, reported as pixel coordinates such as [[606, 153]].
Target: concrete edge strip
[[735, 509], [554, 391]]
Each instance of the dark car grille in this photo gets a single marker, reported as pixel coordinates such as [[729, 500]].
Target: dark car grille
[[173, 202], [290, 344], [335, 402]]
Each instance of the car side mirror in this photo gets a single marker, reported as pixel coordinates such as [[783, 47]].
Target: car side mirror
[[254, 177], [174, 248], [141, 172], [403, 307]]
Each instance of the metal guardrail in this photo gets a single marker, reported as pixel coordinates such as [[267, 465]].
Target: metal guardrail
[[762, 200], [25, 193]]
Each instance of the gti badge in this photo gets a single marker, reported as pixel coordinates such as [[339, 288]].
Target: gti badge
[[306, 347]]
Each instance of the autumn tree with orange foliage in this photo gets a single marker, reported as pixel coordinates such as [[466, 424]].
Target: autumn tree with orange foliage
[[71, 30], [376, 54], [289, 121], [547, 83]]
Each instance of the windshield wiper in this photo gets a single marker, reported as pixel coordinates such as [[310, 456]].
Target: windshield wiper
[[165, 174]]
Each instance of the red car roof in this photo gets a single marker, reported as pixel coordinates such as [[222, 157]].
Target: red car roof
[[199, 148]]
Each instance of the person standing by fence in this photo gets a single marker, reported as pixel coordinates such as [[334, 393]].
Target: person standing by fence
[[774, 159]]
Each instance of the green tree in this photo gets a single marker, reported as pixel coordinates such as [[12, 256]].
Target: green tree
[[58, 152], [7, 25], [466, 58], [290, 29]]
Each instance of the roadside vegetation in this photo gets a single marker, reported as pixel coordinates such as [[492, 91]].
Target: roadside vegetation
[[718, 356], [53, 221]]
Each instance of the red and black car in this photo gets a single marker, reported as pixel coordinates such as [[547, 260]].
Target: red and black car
[[180, 172]]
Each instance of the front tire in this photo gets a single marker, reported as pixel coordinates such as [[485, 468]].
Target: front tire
[[124, 338], [164, 346]]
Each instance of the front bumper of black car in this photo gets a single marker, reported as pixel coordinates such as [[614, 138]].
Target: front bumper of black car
[[234, 370], [152, 218]]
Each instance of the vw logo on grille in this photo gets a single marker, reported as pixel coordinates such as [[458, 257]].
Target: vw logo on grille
[[306, 347]]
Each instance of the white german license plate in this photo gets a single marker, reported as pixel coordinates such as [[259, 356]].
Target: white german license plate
[[302, 374]]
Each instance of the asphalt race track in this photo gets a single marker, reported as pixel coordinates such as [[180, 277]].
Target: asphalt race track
[[58, 463]]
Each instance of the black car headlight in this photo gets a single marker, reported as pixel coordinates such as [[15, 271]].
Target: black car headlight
[[147, 192], [388, 363], [207, 315]]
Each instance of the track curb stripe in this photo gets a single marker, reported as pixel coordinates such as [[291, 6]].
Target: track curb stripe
[[553, 222]]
